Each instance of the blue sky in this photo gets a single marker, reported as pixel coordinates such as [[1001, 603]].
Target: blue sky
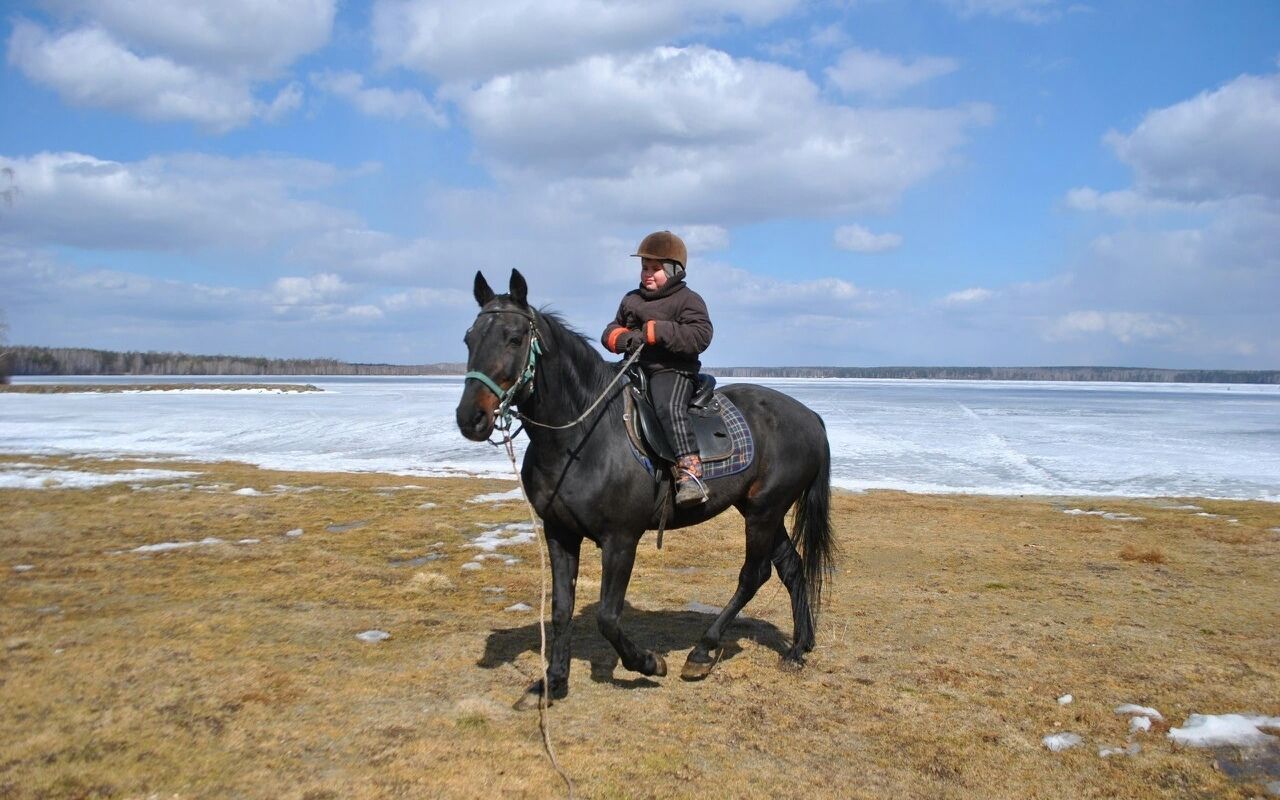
[[949, 182]]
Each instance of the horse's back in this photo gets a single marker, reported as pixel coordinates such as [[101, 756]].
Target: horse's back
[[777, 419]]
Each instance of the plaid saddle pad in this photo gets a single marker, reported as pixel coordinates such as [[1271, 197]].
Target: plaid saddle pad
[[742, 446]]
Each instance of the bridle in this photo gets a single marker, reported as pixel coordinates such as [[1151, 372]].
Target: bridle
[[507, 397]]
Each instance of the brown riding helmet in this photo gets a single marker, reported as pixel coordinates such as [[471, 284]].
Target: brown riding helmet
[[663, 246]]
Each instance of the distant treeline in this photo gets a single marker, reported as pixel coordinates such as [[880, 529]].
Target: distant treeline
[[1130, 374], [80, 361]]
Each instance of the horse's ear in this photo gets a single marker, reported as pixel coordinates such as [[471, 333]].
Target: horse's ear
[[519, 288], [482, 291]]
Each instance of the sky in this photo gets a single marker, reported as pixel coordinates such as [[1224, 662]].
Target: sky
[[860, 183]]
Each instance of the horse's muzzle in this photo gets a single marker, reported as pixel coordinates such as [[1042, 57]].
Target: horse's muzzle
[[475, 421]]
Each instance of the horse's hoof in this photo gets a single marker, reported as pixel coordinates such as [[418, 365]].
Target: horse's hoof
[[791, 664], [697, 670], [659, 666]]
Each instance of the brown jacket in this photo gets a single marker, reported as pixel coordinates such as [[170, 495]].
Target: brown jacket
[[673, 322]]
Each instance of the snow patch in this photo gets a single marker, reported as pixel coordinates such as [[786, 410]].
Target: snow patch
[[470, 566], [163, 546], [248, 491], [295, 533], [1065, 699], [23, 567], [519, 607], [1115, 515], [1132, 750], [1145, 711], [1057, 742], [1137, 724], [498, 497], [373, 636], [1213, 730], [504, 536], [41, 478], [425, 506]]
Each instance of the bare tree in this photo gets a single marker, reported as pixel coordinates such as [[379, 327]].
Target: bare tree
[[8, 191]]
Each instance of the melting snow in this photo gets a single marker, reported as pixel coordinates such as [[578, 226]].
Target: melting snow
[[373, 636], [23, 567], [248, 541], [1139, 724], [1116, 515], [248, 491], [32, 477], [1065, 699], [1132, 750], [1212, 730], [498, 497], [504, 536], [1058, 742], [158, 548], [295, 533], [470, 565], [1130, 708], [519, 607], [425, 506]]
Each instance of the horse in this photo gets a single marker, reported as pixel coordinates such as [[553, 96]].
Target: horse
[[584, 482]]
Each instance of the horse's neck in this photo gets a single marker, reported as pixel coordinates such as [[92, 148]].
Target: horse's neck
[[565, 387]]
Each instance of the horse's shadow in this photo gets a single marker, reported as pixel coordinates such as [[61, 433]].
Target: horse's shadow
[[662, 631]]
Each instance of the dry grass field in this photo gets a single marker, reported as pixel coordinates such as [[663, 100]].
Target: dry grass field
[[232, 669]]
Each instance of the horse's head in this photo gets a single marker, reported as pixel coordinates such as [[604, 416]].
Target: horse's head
[[499, 346]]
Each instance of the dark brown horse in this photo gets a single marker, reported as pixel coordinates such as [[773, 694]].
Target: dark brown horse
[[585, 483]]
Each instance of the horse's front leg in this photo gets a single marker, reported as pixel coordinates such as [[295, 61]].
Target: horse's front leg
[[617, 558], [564, 552]]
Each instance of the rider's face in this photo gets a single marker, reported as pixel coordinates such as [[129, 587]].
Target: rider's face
[[652, 276]]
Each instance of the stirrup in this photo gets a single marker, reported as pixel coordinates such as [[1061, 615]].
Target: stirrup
[[689, 477]]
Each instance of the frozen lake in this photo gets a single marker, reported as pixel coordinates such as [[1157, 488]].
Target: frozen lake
[[924, 436]]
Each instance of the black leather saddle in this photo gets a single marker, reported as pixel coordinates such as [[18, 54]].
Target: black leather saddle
[[708, 423]]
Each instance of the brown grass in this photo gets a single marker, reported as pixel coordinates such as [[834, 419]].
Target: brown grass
[[1152, 555], [952, 625]]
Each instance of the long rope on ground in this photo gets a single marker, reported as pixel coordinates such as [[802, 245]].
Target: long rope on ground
[[544, 723]]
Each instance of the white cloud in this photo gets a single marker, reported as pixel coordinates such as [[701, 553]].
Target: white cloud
[[877, 75], [1219, 144], [727, 128], [967, 297], [167, 202], [860, 240], [457, 40], [231, 37], [315, 290], [703, 238], [89, 68], [397, 104], [174, 61], [1124, 326]]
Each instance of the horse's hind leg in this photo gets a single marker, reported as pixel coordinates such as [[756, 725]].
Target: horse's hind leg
[[616, 560], [754, 572], [791, 571]]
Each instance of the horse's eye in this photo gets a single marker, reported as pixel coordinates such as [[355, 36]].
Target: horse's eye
[[515, 341]]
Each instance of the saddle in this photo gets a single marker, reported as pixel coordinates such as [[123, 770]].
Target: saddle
[[709, 427]]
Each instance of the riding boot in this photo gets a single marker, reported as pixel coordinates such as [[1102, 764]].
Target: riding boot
[[690, 490]]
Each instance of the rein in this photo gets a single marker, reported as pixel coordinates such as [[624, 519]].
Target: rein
[[508, 396]]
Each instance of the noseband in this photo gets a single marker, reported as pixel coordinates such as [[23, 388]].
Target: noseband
[[508, 396]]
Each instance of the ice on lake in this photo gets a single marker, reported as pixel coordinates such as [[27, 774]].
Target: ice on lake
[[988, 437]]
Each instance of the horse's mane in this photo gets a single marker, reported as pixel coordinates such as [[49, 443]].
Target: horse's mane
[[578, 371]]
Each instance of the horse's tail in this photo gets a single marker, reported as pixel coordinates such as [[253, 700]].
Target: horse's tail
[[811, 533]]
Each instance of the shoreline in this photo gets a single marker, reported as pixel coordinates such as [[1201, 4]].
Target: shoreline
[[127, 388], [71, 459]]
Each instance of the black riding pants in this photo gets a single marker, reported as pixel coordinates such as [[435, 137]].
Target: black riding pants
[[671, 391]]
